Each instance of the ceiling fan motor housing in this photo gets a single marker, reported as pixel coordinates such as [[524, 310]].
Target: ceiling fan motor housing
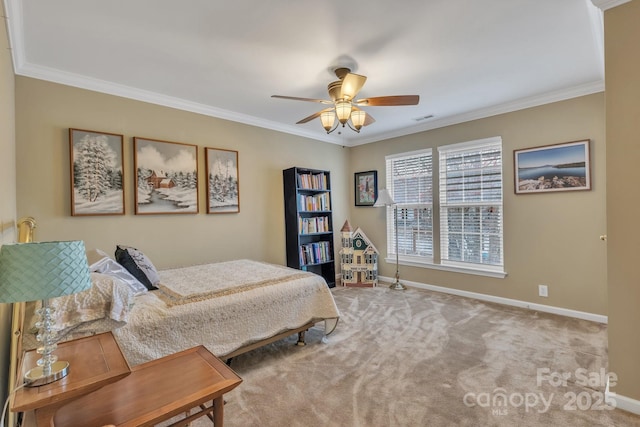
[[334, 90]]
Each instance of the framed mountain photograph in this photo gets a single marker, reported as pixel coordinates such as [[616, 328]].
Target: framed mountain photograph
[[553, 168]]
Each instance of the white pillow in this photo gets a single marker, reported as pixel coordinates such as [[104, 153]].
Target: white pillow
[[107, 265]]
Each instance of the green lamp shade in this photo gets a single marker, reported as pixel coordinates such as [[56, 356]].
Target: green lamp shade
[[43, 270]]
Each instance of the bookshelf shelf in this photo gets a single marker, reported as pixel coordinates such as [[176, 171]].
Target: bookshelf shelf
[[308, 222]]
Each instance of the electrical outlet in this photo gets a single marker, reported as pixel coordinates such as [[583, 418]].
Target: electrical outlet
[[543, 291]]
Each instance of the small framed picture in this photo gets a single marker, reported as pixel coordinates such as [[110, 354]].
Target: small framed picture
[[366, 188], [223, 185], [166, 177], [553, 168], [96, 173]]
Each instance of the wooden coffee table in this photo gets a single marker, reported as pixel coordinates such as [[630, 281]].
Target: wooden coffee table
[[157, 391]]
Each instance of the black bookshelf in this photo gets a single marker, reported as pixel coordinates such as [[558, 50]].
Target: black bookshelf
[[308, 222]]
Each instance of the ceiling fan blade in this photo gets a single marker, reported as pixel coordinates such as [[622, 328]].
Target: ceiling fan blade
[[351, 85], [382, 101], [296, 98], [313, 116], [368, 120]]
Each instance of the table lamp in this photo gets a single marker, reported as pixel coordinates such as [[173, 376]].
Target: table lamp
[[40, 271], [385, 199]]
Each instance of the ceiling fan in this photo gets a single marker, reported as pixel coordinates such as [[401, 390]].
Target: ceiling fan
[[344, 106]]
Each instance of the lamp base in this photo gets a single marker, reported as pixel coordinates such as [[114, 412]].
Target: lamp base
[[35, 377], [397, 286]]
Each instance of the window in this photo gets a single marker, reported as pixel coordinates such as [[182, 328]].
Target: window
[[410, 182], [471, 203], [469, 232]]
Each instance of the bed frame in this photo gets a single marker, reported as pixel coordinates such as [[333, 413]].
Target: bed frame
[[301, 331]]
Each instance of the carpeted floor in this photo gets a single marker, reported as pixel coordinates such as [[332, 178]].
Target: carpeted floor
[[420, 358]]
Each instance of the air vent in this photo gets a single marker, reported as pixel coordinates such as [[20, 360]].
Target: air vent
[[419, 119]]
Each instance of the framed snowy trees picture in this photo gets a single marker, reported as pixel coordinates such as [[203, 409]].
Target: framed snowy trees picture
[[96, 173], [223, 187], [166, 177]]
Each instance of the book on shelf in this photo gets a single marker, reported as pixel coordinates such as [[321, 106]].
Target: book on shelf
[[312, 181], [316, 202], [315, 253], [318, 224]]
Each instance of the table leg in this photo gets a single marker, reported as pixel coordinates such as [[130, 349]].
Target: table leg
[[44, 415], [218, 411]]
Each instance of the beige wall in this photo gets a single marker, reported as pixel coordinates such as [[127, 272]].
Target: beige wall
[[550, 238], [622, 63], [7, 184], [45, 111]]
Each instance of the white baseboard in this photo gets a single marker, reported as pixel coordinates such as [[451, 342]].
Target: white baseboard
[[506, 301], [622, 402]]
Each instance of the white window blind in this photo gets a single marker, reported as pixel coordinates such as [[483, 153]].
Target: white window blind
[[410, 182], [471, 203]]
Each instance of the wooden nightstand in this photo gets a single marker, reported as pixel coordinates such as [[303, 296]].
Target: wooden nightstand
[[94, 362]]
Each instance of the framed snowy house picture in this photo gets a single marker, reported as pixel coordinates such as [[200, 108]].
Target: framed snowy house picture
[[166, 177], [223, 187], [96, 173]]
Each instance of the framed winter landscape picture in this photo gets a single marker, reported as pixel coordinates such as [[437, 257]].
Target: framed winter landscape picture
[[223, 188], [96, 173], [552, 168], [166, 177]]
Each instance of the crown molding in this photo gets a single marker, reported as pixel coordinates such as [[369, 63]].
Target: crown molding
[[13, 16], [83, 82], [608, 4], [521, 104], [97, 85]]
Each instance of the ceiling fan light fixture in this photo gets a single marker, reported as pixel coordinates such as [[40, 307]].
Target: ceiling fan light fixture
[[327, 118], [357, 119], [344, 105], [343, 111]]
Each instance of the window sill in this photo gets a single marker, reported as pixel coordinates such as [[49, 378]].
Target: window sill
[[412, 262]]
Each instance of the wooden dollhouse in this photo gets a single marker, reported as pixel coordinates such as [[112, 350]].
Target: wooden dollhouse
[[358, 258]]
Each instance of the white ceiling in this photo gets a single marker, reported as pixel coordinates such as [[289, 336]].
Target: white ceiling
[[466, 59]]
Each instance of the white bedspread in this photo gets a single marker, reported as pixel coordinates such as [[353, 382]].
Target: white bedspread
[[223, 306]]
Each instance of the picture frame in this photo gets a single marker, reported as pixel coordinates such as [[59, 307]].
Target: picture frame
[[223, 181], [366, 188], [166, 177], [553, 168], [96, 171]]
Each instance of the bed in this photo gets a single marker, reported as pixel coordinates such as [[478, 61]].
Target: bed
[[230, 307]]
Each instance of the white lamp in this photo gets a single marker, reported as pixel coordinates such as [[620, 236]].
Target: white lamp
[[384, 199], [40, 271]]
